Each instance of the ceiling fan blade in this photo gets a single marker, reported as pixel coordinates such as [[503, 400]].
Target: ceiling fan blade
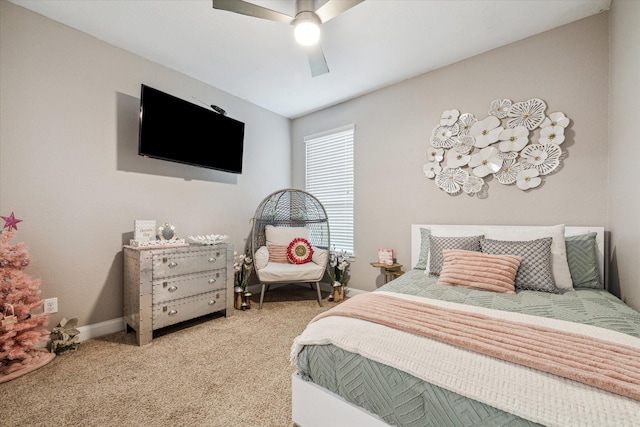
[[250, 9], [317, 62], [333, 8]]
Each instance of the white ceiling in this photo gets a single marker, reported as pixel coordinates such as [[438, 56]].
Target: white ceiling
[[372, 45]]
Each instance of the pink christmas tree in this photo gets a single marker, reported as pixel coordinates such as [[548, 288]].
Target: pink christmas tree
[[20, 329]]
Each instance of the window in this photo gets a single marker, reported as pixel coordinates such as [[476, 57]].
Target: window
[[329, 177]]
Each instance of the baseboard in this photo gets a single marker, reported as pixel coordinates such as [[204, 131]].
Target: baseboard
[[103, 328], [112, 326]]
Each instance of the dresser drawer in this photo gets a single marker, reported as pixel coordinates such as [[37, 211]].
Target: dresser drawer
[[169, 313], [172, 288], [167, 264]]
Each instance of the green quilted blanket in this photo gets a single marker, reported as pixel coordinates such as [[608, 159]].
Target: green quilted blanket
[[589, 306], [403, 400]]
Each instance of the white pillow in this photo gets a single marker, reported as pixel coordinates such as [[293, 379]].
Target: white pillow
[[282, 236], [320, 256], [559, 264]]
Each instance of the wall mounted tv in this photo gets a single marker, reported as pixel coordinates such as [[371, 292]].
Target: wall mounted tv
[[179, 131]]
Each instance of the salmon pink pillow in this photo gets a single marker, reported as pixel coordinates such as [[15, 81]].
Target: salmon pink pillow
[[278, 253], [477, 270]]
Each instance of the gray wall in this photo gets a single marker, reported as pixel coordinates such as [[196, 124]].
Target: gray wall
[[624, 148], [69, 166], [567, 67]]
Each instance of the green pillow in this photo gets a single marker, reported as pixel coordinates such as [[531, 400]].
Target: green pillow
[[424, 249], [582, 256]]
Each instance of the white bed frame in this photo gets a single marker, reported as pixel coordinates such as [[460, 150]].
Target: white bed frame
[[314, 406]]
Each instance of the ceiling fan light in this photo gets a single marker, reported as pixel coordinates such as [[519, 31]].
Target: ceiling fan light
[[307, 29]]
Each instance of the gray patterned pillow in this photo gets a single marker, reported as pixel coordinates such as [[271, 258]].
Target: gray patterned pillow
[[535, 271], [583, 261], [424, 249], [438, 243]]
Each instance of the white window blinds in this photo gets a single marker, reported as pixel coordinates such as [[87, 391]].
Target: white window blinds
[[329, 177]]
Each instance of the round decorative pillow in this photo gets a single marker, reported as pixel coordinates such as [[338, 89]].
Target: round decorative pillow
[[299, 251]]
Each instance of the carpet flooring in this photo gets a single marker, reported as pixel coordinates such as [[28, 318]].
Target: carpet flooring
[[215, 372]]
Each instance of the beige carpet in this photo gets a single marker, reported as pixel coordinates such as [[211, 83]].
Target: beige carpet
[[215, 372]]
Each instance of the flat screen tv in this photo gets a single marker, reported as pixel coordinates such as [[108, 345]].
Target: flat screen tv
[[180, 131]]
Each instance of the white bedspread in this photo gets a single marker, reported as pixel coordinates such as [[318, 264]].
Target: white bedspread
[[513, 388]]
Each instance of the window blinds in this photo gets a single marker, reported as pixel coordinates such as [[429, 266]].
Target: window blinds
[[329, 177]]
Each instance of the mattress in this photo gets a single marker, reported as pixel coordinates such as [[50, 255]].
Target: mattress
[[401, 399]]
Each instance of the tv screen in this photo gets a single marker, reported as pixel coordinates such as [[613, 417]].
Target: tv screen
[[179, 131]]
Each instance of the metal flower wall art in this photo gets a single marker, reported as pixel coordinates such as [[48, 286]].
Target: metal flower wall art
[[464, 150]]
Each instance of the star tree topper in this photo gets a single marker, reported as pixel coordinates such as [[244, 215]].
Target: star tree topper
[[10, 222]]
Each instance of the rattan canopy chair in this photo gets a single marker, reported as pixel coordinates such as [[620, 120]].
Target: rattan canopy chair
[[290, 240]]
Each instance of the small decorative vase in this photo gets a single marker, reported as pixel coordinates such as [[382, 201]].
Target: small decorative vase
[[237, 301], [338, 292], [247, 300]]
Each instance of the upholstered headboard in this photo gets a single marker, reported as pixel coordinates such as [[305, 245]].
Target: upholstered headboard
[[471, 230]]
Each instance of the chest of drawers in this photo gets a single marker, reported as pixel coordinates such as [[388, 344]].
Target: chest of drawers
[[166, 286]]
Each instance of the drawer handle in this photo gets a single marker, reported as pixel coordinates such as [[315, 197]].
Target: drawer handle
[[212, 302], [212, 259], [173, 264], [173, 289], [172, 312], [212, 280]]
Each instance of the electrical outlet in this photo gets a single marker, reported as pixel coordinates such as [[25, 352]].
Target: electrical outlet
[[51, 305]]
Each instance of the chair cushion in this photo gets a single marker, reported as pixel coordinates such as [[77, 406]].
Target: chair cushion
[[320, 256], [261, 258], [285, 273]]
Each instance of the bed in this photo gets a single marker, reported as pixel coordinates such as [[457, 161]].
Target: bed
[[422, 350]]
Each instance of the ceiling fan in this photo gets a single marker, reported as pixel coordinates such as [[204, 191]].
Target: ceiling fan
[[307, 18]]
